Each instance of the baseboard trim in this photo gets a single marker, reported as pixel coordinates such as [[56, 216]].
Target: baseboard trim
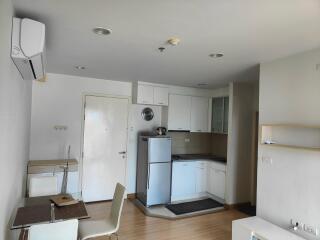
[[236, 205], [131, 196]]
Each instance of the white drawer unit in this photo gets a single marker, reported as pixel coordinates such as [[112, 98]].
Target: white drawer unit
[[255, 228], [55, 168]]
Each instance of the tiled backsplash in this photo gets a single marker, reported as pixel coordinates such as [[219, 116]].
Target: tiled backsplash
[[199, 143]]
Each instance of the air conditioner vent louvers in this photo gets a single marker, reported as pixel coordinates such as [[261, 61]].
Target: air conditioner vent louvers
[[28, 38]]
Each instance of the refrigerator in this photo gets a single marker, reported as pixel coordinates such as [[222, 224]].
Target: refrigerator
[[154, 170]]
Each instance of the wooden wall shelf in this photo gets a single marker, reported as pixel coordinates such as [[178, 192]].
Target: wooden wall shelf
[[290, 136]]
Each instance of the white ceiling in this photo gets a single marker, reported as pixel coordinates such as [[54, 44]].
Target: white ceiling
[[246, 31]]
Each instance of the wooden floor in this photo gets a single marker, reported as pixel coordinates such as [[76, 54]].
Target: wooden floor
[[135, 225]]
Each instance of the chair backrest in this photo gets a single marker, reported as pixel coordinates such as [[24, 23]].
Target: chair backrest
[[65, 230], [43, 186], [117, 204]]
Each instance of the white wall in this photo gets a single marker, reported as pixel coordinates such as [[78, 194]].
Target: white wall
[[15, 107], [289, 187], [136, 125], [241, 109], [59, 102]]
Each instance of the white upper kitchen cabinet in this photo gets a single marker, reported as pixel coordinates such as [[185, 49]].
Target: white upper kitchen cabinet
[[199, 114], [179, 112], [145, 94], [160, 96]]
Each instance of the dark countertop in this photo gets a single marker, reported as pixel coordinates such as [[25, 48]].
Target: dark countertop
[[192, 157]]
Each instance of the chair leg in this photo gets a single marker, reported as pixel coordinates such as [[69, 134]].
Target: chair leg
[[114, 234]]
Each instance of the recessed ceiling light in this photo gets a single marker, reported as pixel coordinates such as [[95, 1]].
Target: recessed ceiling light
[[216, 55], [161, 49], [101, 31], [80, 67]]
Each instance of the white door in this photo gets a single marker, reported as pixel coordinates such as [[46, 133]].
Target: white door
[[105, 144], [179, 112], [199, 114]]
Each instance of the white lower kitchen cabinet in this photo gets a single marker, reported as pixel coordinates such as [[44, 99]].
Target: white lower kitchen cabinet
[[201, 176], [194, 179], [183, 180], [216, 182]]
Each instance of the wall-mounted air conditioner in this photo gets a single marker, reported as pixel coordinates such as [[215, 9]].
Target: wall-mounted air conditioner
[[27, 49]]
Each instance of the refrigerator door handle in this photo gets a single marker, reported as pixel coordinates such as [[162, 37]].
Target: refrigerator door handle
[[148, 182]]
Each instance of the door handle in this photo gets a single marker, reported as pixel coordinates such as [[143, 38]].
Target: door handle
[[123, 152], [148, 181]]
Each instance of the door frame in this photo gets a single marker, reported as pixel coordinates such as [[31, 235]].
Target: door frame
[[88, 94]]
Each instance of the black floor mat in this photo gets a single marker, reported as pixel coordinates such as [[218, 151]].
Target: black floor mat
[[195, 206], [247, 209]]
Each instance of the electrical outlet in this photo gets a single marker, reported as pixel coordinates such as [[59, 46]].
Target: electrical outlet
[[310, 229], [187, 139], [296, 225]]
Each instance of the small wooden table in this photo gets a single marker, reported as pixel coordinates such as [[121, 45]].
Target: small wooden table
[[37, 210]]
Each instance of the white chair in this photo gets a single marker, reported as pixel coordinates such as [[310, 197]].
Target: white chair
[[108, 226], [43, 186], [65, 230]]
